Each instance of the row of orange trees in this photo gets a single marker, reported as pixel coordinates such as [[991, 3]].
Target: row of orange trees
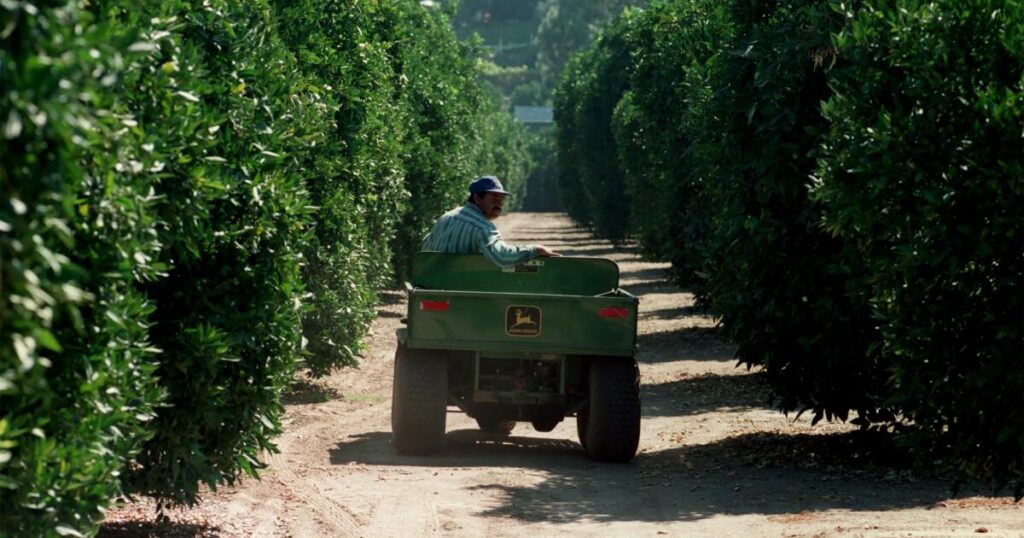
[[197, 198], [841, 183]]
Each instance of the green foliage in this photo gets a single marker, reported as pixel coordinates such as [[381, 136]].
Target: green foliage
[[529, 94], [502, 150], [518, 84], [785, 290], [354, 178], [506, 27], [567, 26], [542, 182], [721, 190], [672, 48], [569, 153], [214, 96], [445, 106], [77, 235], [923, 170], [588, 95], [171, 173], [846, 179]]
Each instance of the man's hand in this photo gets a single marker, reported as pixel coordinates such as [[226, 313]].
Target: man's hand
[[545, 251]]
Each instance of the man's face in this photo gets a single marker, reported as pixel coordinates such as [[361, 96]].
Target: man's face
[[490, 204]]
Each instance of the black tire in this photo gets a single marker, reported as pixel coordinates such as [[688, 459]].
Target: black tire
[[581, 427], [419, 401], [613, 420]]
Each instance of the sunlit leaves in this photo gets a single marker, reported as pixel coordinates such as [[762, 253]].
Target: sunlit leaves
[[78, 237]]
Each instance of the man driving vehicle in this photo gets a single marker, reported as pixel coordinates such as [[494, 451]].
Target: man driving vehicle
[[469, 229]]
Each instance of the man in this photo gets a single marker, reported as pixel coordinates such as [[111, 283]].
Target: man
[[469, 230]]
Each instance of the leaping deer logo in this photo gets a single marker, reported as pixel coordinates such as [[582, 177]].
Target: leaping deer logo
[[522, 319]]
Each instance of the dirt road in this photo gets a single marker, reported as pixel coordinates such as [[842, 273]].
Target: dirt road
[[714, 459]]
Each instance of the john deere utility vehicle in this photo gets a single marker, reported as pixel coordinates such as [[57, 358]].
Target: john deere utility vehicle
[[536, 343]]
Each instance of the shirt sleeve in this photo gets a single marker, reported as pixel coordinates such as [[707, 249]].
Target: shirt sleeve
[[504, 254]]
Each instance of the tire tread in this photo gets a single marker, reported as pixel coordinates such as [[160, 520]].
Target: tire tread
[[419, 401], [613, 420]]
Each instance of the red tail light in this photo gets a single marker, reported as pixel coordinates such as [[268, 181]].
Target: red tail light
[[434, 306], [613, 312]]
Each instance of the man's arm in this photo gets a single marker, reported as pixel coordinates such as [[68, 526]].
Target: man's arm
[[506, 255], [541, 250]]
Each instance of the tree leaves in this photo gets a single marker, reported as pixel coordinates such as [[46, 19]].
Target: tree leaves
[[177, 185]]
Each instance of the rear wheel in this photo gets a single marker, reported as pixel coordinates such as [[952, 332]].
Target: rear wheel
[[612, 423], [419, 400]]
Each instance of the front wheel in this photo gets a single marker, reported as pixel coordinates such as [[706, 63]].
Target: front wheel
[[612, 422], [419, 401]]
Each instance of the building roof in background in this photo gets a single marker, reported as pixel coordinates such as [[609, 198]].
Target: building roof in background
[[534, 114]]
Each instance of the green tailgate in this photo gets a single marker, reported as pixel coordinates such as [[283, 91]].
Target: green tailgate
[[600, 322]]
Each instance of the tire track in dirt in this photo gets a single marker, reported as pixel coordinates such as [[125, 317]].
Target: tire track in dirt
[[339, 518]]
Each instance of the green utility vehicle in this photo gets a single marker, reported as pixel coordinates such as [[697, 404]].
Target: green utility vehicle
[[549, 339]]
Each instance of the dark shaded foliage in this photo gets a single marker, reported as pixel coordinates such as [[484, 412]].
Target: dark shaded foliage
[[845, 180], [674, 45], [592, 185], [542, 193], [923, 171], [785, 290], [570, 178]]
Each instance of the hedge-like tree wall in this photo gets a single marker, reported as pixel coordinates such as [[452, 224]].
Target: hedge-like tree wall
[[189, 192], [923, 171], [78, 237], [592, 186], [673, 48], [212, 93], [840, 184], [782, 287]]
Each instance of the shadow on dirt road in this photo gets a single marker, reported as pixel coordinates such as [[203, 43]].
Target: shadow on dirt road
[[754, 473], [705, 393]]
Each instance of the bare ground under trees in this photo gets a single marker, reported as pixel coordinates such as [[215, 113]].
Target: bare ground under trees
[[715, 459]]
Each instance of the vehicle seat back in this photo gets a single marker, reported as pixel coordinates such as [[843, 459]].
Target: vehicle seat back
[[474, 272]]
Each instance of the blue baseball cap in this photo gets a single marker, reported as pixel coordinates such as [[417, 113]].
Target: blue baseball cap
[[487, 184]]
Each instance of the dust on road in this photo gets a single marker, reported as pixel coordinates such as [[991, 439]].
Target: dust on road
[[715, 459]]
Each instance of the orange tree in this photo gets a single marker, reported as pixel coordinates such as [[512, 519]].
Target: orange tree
[[922, 170], [156, 217], [721, 188], [845, 180], [673, 47], [213, 96], [592, 184], [355, 177], [78, 237]]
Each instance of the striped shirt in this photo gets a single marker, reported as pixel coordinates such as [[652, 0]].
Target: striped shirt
[[465, 230]]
